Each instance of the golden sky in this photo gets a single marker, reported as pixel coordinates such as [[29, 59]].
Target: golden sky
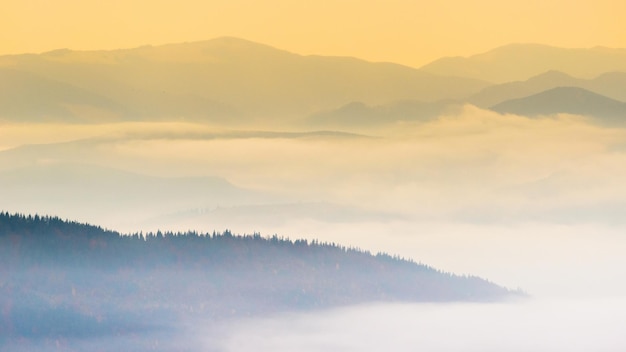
[[411, 32]]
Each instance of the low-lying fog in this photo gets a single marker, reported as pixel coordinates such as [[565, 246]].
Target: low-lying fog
[[528, 326], [533, 326], [532, 203]]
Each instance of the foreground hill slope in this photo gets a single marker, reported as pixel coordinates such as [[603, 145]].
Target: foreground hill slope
[[65, 278]]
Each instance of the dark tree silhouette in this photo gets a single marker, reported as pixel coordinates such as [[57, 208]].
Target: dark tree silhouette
[[61, 277]]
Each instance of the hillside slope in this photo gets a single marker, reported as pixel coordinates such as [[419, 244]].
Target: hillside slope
[[357, 115], [569, 100], [518, 62], [610, 84], [69, 279]]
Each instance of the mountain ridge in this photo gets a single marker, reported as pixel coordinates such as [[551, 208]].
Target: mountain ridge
[[231, 80], [570, 100], [236, 82], [611, 84], [514, 62]]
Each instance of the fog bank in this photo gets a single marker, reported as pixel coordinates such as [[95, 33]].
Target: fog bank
[[536, 203], [532, 326]]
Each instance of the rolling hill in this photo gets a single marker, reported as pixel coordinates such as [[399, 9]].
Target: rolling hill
[[29, 97], [226, 80], [610, 84], [518, 62], [570, 100]]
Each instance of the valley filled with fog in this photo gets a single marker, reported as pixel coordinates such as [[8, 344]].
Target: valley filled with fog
[[538, 325], [467, 167], [533, 203]]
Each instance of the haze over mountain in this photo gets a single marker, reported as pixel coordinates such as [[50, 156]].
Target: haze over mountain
[[568, 100], [610, 84], [217, 80], [415, 181], [90, 180], [237, 82], [517, 62], [34, 98], [357, 115], [92, 192], [355, 127]]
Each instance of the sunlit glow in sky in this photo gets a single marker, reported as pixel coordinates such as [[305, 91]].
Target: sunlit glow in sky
[[408, 32]]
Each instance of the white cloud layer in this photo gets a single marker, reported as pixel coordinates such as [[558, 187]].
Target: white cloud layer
[[570, 325], [537, 203]]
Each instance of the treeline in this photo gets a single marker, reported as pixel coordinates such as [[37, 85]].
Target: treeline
[[35, 238], [62, 272]]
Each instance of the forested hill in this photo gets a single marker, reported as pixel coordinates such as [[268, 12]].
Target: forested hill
[[89, 280]]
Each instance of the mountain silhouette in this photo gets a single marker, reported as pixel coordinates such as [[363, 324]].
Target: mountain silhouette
[[570, 100], [29, 97], [231, 80], [517, 62], [610, 84]]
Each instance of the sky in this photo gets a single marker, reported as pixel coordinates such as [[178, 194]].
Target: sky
[[403, 31]]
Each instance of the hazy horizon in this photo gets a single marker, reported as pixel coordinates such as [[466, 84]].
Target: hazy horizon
[[483, 138], [435, 59], [398, 31], [462, 192], [442, 182]]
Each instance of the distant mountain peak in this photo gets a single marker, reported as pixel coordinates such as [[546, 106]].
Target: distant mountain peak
[[573, 92], [230, 40], [56, 52], [228, 43], [516, 47], [553, 78], [226, 80], [550, 75]]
